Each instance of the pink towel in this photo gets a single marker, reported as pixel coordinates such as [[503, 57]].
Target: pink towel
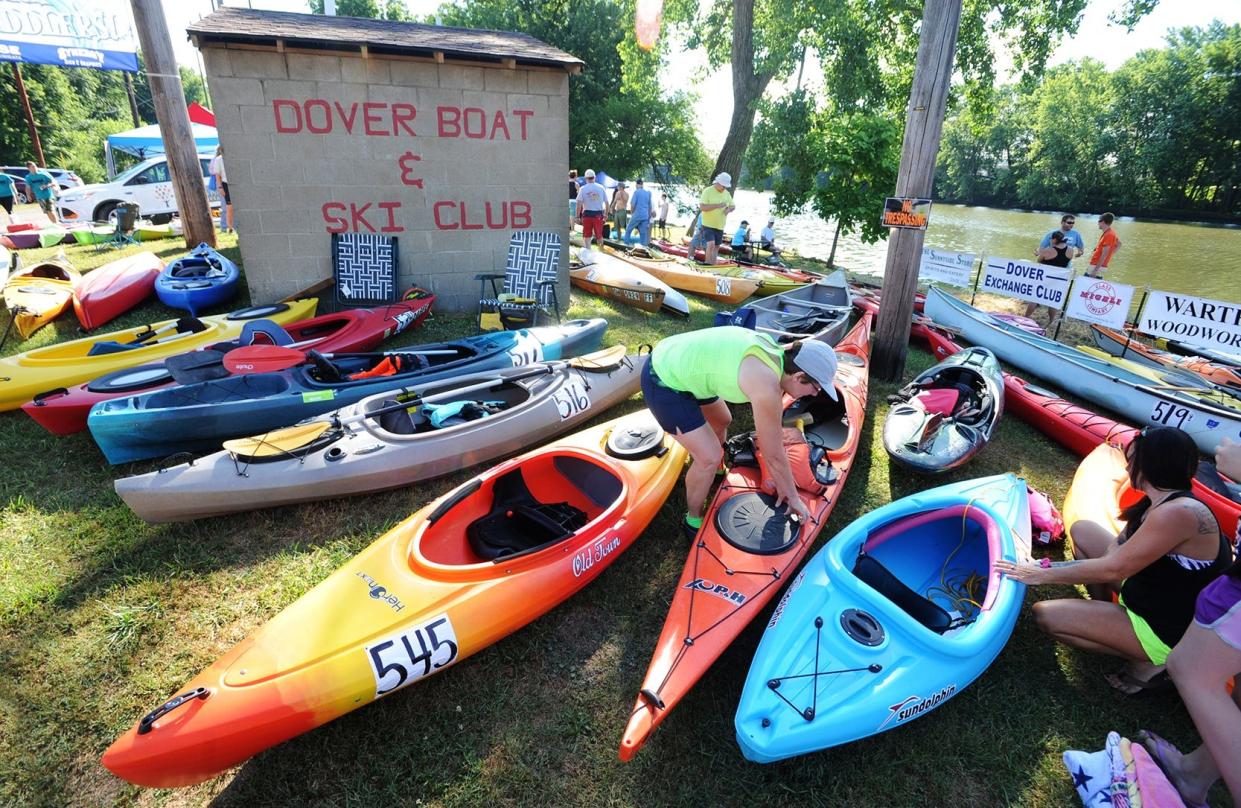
[[1153, 784]]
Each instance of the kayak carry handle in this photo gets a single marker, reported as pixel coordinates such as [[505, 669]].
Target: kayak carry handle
[[40, 398], [148, 721]]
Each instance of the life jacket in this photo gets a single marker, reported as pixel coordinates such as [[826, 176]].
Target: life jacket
[[388, 366]]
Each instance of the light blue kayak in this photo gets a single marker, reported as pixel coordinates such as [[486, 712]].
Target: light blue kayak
[[894, 616]]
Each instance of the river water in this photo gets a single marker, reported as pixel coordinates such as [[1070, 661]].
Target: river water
[[1189, 258]]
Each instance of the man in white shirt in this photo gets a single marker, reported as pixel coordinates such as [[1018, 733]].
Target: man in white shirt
[[767, 239], [592, 201], [221, 186], [662, 222]]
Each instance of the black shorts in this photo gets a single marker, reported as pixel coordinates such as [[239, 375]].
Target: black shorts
[[6, 202], [712, 235], [676, 411], [228, 200]]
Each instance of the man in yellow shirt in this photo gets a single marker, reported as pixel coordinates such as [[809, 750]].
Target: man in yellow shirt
[[716, 203]]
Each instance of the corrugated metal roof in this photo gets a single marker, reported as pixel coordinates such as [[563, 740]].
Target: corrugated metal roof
[[243, 25]]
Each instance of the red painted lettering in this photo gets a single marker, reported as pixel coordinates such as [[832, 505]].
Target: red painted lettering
[[358, 217], [522, 114], [335, 224], [465, 218], [519, 211], [503, 223], [499, 123], [480, 131], [318, 103], [449, 121], [347, 119], [391, 208], [402, 114], [442, 223], [370, 115], [281, 126]]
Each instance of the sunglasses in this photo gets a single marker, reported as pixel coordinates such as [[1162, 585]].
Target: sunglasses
[[1069, 222], [805, 378]]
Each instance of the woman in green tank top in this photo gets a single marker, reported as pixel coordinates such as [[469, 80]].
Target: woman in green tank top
[[692, 377]]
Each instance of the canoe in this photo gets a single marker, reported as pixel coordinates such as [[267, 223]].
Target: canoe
[[742, 533], [37, 294], [1079, 429], [198, 417], [63, 410], [25, 375], [823, 306], [695, 281], [896, 615], [113, 289], [1121, 345], [611, 273], [947, 414], [1138, 399], [1193, 384], [197, 281], [470, 568], [1022, 322], [369, 446]]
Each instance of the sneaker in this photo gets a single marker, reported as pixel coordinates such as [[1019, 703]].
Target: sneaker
[[689, 530]]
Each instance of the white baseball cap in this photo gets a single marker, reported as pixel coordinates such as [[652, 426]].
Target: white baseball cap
[[723, 178], [818, 361], [590, 172]]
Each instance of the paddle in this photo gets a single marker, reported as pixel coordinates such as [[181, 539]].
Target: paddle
[[268, 358], [191, 325], [196, 366], [294, 437]]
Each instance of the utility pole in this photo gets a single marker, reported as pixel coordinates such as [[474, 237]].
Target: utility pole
[[923, 124], [133, 102], [34, 132], [174, 122]]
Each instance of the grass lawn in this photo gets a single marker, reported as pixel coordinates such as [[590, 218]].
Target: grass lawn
[[102, 617]]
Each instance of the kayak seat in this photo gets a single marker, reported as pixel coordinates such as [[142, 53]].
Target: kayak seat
[[404, 422], [880, 578], [264, 332], [518, 523]]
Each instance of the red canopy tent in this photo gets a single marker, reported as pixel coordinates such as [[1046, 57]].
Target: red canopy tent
[[200, 114]]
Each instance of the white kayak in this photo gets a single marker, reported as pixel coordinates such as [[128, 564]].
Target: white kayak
[[612, 270]]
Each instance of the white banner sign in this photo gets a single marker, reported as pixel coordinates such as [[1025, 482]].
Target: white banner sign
[[1098, 301], [1196, 320], [69, 33], [1026, 280], [946, 267]]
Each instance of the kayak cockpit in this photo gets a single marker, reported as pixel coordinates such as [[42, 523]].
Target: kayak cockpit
[[367, 366], [453, 410], [543, 502], [935, 566], [825, 422]]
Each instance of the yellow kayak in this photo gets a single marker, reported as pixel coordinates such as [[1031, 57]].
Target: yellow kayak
[[25, 375], [39, 294], [769, 283]]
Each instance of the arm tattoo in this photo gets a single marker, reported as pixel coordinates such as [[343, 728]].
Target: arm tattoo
[[1206, 519]]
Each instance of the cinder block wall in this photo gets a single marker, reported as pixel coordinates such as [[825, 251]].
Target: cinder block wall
[[305, 130]]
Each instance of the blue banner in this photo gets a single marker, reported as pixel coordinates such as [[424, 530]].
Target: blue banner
[[71, 33]]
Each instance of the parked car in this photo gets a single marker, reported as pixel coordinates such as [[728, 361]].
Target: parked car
[[148, 184], [65, 180]]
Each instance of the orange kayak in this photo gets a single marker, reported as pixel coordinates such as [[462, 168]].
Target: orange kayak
[[39, 294], [695, 281], [745, 551], [1118, 344], [472, 567], [1100, 490]]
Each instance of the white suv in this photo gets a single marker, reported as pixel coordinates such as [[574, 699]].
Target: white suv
[[148, 184]]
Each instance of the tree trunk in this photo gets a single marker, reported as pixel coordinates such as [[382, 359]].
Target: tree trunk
[[923, 125], [831, 257], [748, 87]]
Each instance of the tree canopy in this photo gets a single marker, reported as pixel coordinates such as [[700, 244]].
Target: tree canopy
[[395, 10]]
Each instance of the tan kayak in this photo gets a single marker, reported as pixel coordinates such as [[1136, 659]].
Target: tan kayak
[[39, 294], [608, 276], [682, 276]]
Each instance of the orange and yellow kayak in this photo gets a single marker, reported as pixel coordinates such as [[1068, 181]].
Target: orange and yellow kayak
[[39, 294], [746, 550], [690, 279], [472, 567], [1118, 344]]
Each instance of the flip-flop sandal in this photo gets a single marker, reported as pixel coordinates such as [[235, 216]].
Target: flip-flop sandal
[[1161, 746], [1130, 685]]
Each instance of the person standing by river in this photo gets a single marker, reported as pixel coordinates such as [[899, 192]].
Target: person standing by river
[[716, 203], [1057, 252], [619, 210], [1106, 249], [592, 201]]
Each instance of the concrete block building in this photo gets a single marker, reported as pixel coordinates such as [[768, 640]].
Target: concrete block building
[[447, 138]]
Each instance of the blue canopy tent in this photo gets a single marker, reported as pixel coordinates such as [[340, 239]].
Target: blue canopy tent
[[146, 141]]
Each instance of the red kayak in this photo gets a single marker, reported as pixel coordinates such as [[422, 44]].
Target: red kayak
[[64, 411], [108, 292], [1073, 426], [746, 550]]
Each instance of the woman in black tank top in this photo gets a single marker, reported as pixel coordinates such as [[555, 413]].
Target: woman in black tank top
[[1171, 548]]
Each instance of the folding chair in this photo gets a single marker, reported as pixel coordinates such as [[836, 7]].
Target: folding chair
[[126, 220], [530, 276], [365, 268]]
